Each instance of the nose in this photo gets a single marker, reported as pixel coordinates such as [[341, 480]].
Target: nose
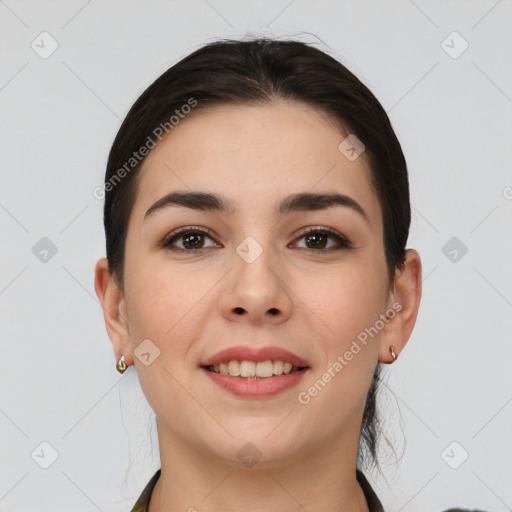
[[256, 290]]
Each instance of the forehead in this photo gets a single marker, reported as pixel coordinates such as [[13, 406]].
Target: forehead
[[255, 155]]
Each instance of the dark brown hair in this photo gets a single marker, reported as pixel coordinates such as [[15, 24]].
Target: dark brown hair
[[259, 71]]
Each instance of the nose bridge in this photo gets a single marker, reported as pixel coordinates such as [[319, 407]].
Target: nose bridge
[[256, 282], [254, 247], [255, 258]]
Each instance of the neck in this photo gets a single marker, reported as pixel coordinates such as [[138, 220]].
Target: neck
[[320, 481]]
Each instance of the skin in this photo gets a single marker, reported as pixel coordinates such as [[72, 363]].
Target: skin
[[193, 305]]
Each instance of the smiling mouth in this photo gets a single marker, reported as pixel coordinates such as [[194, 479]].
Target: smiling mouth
[[252, 370]]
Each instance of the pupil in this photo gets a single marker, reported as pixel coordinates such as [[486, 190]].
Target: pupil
[[188, 238], [316, 237]]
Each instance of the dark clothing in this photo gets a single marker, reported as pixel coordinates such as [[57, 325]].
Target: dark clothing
[[374, 505]]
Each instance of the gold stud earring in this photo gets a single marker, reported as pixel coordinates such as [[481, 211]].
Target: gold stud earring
[[121, 365], [392, 351]]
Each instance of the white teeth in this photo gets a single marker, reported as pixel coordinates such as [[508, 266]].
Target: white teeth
[[247, 369], [250, 369], [234, 368], [278, 367], [264, 369]]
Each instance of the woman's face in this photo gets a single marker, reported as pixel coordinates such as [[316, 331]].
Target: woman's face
[[254, 281]]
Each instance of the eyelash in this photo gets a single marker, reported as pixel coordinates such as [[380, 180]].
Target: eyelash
[[167, 241]]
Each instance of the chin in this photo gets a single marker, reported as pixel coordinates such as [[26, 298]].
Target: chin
[[256, 448]]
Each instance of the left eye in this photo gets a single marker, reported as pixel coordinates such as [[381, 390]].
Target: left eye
[[318, 238], [193, 240]]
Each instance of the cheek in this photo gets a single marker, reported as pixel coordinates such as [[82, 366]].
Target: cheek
[[349, 304], [169, 304], [158, 302], [345, 300]]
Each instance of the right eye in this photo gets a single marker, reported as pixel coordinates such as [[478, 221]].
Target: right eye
[[192, 239]]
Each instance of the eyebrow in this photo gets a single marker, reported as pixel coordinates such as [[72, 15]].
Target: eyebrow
[[304, 201]]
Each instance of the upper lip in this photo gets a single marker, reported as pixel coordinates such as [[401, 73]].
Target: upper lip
[[256, 354]]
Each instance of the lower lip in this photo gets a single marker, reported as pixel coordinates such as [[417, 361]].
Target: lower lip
[[256, 388]]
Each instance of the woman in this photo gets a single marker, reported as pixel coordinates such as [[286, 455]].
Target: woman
[[256, 216]]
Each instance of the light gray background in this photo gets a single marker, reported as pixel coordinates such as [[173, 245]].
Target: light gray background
[[59, 115]]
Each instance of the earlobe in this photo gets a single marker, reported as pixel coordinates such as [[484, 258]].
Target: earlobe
[[404, 300], [114, 311]]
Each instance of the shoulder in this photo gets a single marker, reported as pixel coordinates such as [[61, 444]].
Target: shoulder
[[374, 504], [142, 503]]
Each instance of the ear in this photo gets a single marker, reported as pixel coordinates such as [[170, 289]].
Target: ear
[[404, 301], [114, 311]]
